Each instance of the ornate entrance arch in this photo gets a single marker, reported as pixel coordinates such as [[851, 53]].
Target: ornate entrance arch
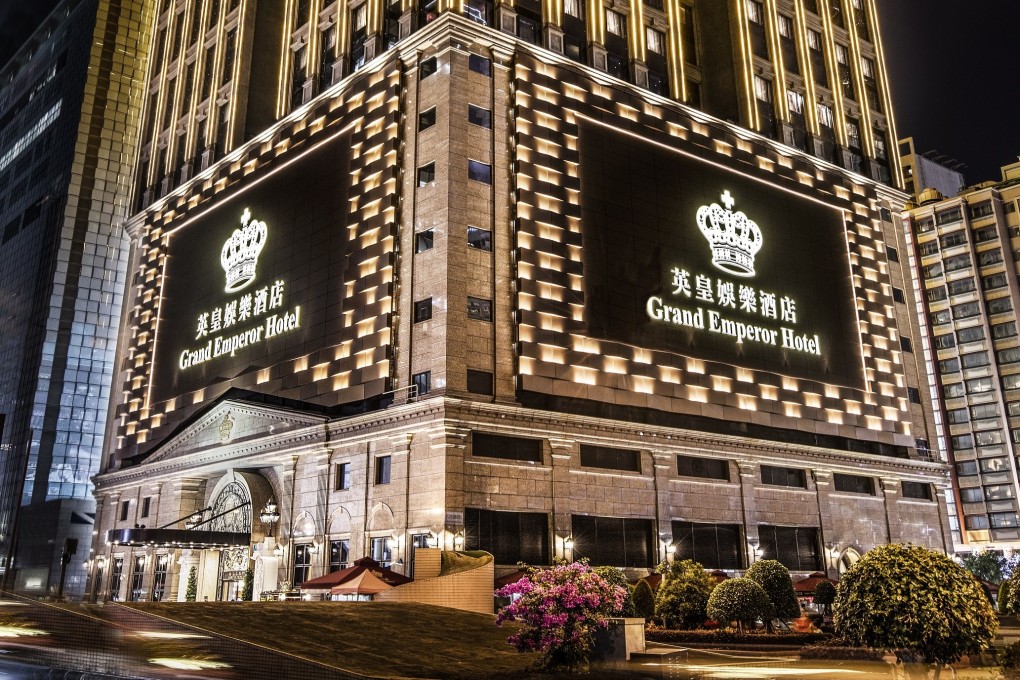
[[232, 509], [847, 559]]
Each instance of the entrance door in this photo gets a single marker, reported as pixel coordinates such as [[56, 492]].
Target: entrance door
[[231, 590], [233, 564]]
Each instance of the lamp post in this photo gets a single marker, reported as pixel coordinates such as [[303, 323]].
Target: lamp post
[[756, 550], [568, 546], [270, 515]]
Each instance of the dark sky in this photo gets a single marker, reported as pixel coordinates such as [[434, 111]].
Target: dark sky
[[952, 67]]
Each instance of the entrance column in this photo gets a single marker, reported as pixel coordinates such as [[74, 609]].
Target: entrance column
[[188, 559]]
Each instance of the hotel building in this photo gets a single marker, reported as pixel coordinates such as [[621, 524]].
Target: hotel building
[[545, 279], [969, 246]]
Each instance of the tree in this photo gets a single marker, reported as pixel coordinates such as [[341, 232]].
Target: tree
[[775, 580], [741, 600], [191, 594], [616, 577], [249, 585], [1005, 591], [908, 597], [560, 610], [987, 565], [644, 600], [825, 595], [682, 599]]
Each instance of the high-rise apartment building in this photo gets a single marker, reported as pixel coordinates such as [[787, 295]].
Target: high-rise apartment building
[[472, 275], [968, 246], [929, 170], [68, 119]]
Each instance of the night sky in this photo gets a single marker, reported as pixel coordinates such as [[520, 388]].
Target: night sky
[[952, 66]]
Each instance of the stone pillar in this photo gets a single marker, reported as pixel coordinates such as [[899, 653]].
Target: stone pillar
[[891, 491], [639, 73], [563, 451], [554, 38], [662, 473], [748, 474], [188, 559], [506, 19], [828, 534], [598, 57]]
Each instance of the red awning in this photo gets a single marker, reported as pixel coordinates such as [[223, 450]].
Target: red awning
[[808, 585], [329, 581]]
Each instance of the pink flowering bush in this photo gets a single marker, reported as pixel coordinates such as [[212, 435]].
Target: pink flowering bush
[[560, 610]]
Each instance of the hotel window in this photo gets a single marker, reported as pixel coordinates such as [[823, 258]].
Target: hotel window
[[125, 507], [853, 484], [990, 438], [929, 247], [783, 476], [795, 547], [1000, 306], [146, 503], [342, 481], [479, 116], [949, 366], [989, 257], [755, 12], [656, 40], [1011, 382], [511, 537], [975, 522], [426, 119], [1004, 330], [993, 281], [785, 26], [714, 546], [423, 310], [479, 309], [428, 67], [905, 344], [814, 40], [825, 118], [479, 382], [688, 36], [948, 216], [480, 172], [979, 210], [426, 174], [927, 224], [613, 541], [302, 563], [972, 495], [573, 8], [359, 35], [479, 238], [1009, 356], [327, 55], [137, 593], [795, 101], [961, 286], [945, 341], [704, 468], [300, 69], [382, 469], [484, 445], [478, 10], [424, 241], [480, 64], [998, 492], [979, 385], [116, 578], [423, 382], [897, 295], [853, 134], [918, 490], [963, 442], [763, 89], [966, 310], [610, 458], [1003, 520], [159, 577], [381, 551], [972, 334], [982, 411], [616, 23], [914, 395], [985, 234], [957, 238], [953, 390], [339, 554]]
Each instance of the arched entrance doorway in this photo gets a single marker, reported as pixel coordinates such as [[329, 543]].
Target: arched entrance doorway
[[848, 559], [231, 512]]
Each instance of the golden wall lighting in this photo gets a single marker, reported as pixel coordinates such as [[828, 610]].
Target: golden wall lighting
[[873, 423], [550, 322], [834, 417], [695, 365], [614, 364], [698, 394], [722, 384], [723, 148], [301, 364], [584, 375], [577, 312], [852, 407], [746, 402], [643, 385], [790, 384], [792, 410], [262, 376], [641, 356], [526, 365], [769, 392], [552, 354], [812, 400]]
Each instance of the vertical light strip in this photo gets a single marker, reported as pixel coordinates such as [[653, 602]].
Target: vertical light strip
[[772, 27], [855, 74], [154, 135], [284, 76], [833, 66], [596, 22], [807, 69], [178, 89], [314, 38], [674, 33], [638, 48], [892, 144], [235, 87], [197, 14], [343, 29], [375, 16], [747, 65]]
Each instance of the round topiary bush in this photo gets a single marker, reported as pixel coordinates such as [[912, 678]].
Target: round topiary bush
[[908, 597], [741, 600], [825, 595], [775, 579], [682, 600], [616, 577], [644, 600]]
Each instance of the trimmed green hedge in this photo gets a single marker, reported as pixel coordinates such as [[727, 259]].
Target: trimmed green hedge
[[731, 637]]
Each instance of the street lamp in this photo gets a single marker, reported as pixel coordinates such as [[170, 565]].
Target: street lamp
[[756, 550], [270, 515]]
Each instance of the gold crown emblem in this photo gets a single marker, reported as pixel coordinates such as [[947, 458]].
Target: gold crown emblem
[[241, 252], [734, 238]]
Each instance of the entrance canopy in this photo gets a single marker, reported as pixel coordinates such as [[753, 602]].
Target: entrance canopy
[[365, 564], [177, 538], [365, 583]]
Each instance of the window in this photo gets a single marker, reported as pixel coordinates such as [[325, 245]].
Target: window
[[616, 24], [423, 310], [714, 546], [426, 174], [159, 577], [897, 295], [972, 334], [966, 310], [1000, 306], [979, 385], [342, 481], [479, 382], [656, 40], [993, 281], [975, 522], [610, 458], [957, 262], [613, 541], [511, 537], [125, 507], [940, 317], [1004, 330], [428, 68], [381, 551], [339, 554], [424, 241], [479, 238], [762, 89], [382, 469], [985, 234], [755, 12], [957, 238], [480, 172], [1011, 382], [972, 495], [795, 101], [914, 395], [989, 257], [705, 468], [116, 578], [983, 209], [1009, 356], [572, 8], [998, 492], [422, 381], [1004, 520], [426, 119], [932, 270], [979, 411], [925, 225], [936, 294], [974, 359], [989, 438], [480, 64], [825, 115], [782, 476], [947, 216], [479, 309], [795, 547], [957, 416], [814, 40], [146, 502], [929, 247], [945, 341], [961, 286], [479, 116], [853, 134], [786, 26], [853, 484], [485, 445], [137, 593], [963, 442]]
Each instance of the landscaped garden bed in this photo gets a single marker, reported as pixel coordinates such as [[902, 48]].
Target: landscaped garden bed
[[731, 637]]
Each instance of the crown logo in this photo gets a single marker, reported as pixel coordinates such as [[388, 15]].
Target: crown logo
[[241, 252], [734, 239]]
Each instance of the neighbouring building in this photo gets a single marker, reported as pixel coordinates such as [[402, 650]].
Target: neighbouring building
[[451, 275], [968, 248], [68, 118], [929, 170]]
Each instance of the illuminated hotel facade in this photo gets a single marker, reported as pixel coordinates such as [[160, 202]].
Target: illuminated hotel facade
[[415, 280]]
